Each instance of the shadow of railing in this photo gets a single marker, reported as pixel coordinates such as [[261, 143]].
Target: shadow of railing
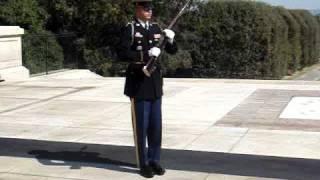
[[122, 158]]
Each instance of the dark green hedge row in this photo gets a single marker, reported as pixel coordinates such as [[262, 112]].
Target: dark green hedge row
[[250, 40], [220, 39]]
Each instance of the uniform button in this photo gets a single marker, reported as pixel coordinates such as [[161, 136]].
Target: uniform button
[[139, 42], [150, 41]]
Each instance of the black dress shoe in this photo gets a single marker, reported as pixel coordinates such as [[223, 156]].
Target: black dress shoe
[[157, 169], [146, 172]]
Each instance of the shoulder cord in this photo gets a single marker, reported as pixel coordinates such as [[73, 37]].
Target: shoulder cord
[[132, 32]]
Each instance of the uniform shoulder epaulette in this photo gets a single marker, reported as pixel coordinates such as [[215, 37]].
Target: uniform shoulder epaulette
[[132, 23]]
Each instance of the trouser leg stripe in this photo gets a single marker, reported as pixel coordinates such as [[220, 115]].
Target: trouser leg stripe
[[134, 126]]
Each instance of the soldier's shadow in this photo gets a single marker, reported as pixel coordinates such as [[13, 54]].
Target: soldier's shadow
[[78, 159], [122, 158]]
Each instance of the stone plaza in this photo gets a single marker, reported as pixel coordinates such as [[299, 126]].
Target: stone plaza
[[77, 125]]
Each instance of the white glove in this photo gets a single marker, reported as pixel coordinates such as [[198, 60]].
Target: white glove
[[155, 52], [169, 34]]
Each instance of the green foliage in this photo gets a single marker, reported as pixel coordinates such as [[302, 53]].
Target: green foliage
[[97, 24], [309, 39], [240, 39], [294, 35], [178, 65], [216, 38], [97, 62], [279, 46], [25, 13], [42, 52]]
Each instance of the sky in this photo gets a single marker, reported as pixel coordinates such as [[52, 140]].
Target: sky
[[295, 4]]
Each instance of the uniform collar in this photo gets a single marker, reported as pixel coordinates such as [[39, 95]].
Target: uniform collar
[[143, 24]]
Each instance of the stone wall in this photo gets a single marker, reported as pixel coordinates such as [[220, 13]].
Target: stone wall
[[11, 68]]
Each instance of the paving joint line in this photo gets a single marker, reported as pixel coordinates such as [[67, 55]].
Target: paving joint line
[[213, 125], [71, 127], [207, 177], [42, 100], [48, 87], [198, 136], [238, 142], [21, 98], [35, 175]]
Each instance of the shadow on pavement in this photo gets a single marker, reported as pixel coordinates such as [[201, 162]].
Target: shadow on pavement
[[77, 159], [122, 158]]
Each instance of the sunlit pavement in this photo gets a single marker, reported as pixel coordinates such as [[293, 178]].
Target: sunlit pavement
[[76, 125]]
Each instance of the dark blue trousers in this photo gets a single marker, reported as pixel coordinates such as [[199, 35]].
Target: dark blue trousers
[[147, 127]]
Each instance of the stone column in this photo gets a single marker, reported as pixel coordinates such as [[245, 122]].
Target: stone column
[[11, 68]]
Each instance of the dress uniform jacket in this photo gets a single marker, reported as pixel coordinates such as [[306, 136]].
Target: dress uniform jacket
[[136, 41]]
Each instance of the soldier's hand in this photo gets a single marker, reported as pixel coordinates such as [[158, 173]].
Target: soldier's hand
[[169, 34], [154, 52]]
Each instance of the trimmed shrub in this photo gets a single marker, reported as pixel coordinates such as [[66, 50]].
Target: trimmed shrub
[[42, 53]]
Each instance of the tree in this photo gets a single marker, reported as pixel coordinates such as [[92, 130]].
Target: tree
[[39, 45], [216, 38], [25, 13]]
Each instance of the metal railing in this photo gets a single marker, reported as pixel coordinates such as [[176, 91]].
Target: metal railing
[[46, 53]]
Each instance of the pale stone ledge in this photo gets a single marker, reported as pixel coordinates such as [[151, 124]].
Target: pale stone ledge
[[11, 68], [11, 31]]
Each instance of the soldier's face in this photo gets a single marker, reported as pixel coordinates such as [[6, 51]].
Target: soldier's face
[[144, 13]]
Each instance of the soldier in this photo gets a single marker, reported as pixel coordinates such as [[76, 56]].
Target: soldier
[[139, 42]]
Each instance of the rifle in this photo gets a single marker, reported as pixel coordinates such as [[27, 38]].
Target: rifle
[[150, 66]]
